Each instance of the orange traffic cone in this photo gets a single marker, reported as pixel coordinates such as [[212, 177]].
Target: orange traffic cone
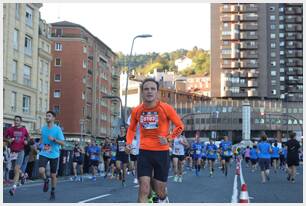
[[244, 195]]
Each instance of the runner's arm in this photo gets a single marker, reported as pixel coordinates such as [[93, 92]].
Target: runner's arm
[[179, 126], [132, 128]]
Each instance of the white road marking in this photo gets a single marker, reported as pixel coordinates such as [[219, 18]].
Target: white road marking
[[136, 186], [235, 191], [94, 198]]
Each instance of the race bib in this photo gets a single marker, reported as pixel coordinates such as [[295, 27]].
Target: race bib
[[47, 148], [226, 153], [107, 154], [121, 145], [113, 154], [149, 120], [211, 152], [198, 152], [177, 150], [77, 154], [17, 135], [92, 156]]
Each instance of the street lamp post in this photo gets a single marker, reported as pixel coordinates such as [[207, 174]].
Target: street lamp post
[[129, 68]]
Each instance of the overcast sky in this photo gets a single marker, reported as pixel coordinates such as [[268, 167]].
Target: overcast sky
[[172, 25]]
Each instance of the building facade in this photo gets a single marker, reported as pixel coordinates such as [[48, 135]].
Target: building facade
[[256, 51], [26, 45], [82, 74]]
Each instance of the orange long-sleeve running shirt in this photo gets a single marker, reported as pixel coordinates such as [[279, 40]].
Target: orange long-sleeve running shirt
[[154, 122]]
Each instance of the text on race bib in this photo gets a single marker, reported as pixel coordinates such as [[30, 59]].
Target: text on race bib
[[149, 120]]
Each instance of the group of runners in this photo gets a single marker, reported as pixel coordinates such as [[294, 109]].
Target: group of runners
[[141, 148]]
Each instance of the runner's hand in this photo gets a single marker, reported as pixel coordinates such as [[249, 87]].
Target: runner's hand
[[51, 138], [25, 142], [128, 148], [163, 140]]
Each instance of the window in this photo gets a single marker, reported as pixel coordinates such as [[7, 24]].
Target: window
[[272, 26], [273, 54], [273, 82], [41, 85], [273, 63], [281, 78], [28, 45], [14, 101], [273, 45], [281, 35], [282, 69], [58, 47], [29, 16], [282, 43], [57, 94], [58, 62], [272, 8], [281, 18], [46, 87], [17, 11], [272, 17], [282, 52], [273, 73], [26, 102], [14, 71], [272, 36], [40, 104], [57, 78], [16, 39], [281, 9], [84, 49], [84, 64], [56, 109], [27, 75], [58, 32], [281, 26]]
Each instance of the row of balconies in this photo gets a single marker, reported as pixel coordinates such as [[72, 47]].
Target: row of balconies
[[296, 27], [241, 17], [293, 10], [294, 89], [248, 26], [248, 93], [297, 62], [249, 83], [294, 36], [242, 74], [293, 19], [294, 72], [295, 53], [248, 45], [296, 44], [238, 8], [248, 35]]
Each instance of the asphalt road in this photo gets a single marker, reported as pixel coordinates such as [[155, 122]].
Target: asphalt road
[[193, 189]]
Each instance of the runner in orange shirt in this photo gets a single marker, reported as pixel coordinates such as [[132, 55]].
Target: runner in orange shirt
[[154, 119]]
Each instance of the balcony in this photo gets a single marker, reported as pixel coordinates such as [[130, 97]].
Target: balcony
[[248, 26], [240, 94], [228, 84], [299, 45], [290, 19], [248, 54], [230, 37], [230, 56], [248, 45], [233, 64], [252, 93], [248, 17], [253, 74], [248, 35], [243, 74], [289, 10], [248, 64], [290, 27], [299, 27], [299, 81], [299, 19], [229, 8], [252, 83], [248, 8], [299, 36], [226, 18], [298, 10], [299, 71]]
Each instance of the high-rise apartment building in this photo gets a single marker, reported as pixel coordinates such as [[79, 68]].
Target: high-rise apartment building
[[26, 68], [82, 73], [256, 51]]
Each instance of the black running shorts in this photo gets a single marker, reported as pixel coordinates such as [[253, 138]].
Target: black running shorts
[[43, 161], [157, 161], [180, 157], [264, 163]]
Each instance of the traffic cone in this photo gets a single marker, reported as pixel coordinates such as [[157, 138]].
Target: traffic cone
[[244, 195]]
